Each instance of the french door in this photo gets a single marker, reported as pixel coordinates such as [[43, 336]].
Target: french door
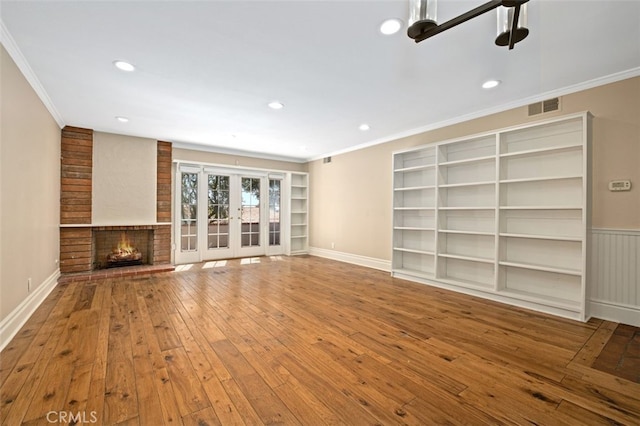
[[226, 213]]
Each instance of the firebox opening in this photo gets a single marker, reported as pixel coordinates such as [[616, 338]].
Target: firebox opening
[[117, 248]]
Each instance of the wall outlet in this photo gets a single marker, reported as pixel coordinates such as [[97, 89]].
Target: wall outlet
[[29, 285], [333, 245]]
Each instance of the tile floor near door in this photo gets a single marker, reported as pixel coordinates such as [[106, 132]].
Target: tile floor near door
[[305, 340]]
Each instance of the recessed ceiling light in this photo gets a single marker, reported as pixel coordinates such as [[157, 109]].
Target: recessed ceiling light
[[124, 66], [122, 119], [364, 127], [276, 105], [490, 84], [390, 26]]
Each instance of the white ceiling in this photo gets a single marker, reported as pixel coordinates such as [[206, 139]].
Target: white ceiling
[[207, 69]]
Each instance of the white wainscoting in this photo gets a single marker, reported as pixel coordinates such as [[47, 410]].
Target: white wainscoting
[[614, 291]]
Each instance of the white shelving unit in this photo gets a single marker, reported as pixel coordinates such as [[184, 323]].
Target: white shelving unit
[[414, 204], [299, 214], [502, 215]]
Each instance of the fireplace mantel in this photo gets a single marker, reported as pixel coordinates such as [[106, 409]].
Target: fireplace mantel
[[102, 225]]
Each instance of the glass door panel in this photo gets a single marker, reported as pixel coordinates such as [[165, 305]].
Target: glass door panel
[[188, 217], [250, 215], [218, 209], [250, 212], [275, 187]]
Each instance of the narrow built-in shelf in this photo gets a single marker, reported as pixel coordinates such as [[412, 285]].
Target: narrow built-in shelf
[[468, 258], [543, 268], [542, 237], [531, 152], [540, 208], [464, 283], [414, 208], [412, 228], [466, 208], [539, 179], [455, 231], [408, 250], [298, 214], [556, 302], [468, 161], [415, 188], [414, 273], [459, 185], [415, 168]]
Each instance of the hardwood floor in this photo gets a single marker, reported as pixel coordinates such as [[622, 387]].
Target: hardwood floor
[[305, 341]]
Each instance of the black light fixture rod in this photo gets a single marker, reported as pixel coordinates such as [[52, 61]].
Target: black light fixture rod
[[482, 9], [459, 19], [514, 27]]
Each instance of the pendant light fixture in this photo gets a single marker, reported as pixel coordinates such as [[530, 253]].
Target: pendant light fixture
[[506, 32], [512, 20], [422, 16]]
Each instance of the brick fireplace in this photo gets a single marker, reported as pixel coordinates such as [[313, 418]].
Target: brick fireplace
[[84, 246]]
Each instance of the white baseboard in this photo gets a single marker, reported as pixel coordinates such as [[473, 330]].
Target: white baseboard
[[613, 312], [369, 262], [13, 322]]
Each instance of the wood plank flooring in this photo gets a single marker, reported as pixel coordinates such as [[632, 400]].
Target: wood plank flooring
[[301, 340]]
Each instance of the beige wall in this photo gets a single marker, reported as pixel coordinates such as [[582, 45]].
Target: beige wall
[[29, 188], [236, 160], [124, 180], [351, 196]]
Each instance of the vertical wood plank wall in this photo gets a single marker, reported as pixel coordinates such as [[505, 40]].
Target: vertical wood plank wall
[[162, 234], [76, 171], [163, 199]]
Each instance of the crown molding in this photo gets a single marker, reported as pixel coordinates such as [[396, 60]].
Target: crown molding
[[590, 84], [237, 152], [21, 62]]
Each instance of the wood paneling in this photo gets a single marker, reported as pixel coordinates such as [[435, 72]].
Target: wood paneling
[[75, 250], [76, 162], [303, 340], [163, 197]]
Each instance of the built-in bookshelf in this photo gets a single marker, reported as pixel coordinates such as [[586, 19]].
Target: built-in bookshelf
[[501, 215], [299, 214]]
